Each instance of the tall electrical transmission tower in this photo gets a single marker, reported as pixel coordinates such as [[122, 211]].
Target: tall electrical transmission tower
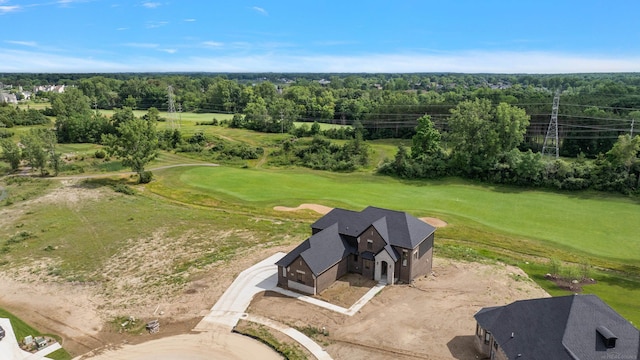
[[550, 146], [171, 110]]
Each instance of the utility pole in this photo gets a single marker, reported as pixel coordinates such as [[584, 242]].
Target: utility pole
[[632, 122], [180, 112], [551, 146], [171, 109]]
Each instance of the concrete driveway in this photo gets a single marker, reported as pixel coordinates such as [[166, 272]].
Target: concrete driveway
[[234, 302], [232, 305]]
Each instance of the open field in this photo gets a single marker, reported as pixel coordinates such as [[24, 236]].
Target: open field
[[170, 245], [508, 222], [186, 121], [513, 211]]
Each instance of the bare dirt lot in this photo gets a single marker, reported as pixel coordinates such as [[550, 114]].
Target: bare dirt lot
[[83, 314], [430, 319]]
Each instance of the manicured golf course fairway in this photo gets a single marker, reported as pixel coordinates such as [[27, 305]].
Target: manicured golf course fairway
[[603, 226]]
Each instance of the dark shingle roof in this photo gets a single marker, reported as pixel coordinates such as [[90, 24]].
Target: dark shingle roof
[[320, 251], [327, 246], [396, 227], [559, 328]]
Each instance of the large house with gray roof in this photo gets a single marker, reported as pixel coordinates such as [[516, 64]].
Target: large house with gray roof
[[384, 245], [574, 327]]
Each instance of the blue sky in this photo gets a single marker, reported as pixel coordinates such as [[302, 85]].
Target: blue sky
[[518, 36]]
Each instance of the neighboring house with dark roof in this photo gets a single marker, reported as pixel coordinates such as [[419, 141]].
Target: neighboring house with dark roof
[[384, 245], [574, 327]]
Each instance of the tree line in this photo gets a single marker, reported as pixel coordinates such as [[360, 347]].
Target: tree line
[[483, 145], [488, 127], [594, 108]]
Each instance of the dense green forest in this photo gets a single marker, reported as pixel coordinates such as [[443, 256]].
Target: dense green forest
[[482, 126]]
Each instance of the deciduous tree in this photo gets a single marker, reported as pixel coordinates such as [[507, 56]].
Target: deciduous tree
[[135, 142], [11, 153]]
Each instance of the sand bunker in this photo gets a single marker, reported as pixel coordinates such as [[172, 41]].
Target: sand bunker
[[321, 209], [434, 222]]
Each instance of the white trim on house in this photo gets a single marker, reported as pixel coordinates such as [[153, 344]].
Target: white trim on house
[[301, 287], [384, 256]]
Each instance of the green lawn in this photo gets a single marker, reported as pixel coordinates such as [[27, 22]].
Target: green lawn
[[323, 126], [577, 220], [186, 121], [501, 222]]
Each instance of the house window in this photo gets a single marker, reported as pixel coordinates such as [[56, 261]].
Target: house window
[[415, 255], [404, 257], [495, 345], [478, 330], [355, 258], [487, 337], [284, 272], [300, 276], [369, 244]]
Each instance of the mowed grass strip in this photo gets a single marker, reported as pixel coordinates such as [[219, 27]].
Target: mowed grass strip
[[587, 222]]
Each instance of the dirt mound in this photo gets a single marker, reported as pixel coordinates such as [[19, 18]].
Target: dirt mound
[[320, 209], [434, 221]]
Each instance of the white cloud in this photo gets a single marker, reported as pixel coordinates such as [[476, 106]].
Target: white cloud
[[466, 61], [29, 61], [142, 45], [189, 20], [66, 3], [260, 10], [151, 5], [23, 43], [122, 28], [212, 44], [9, 8], [156, 24]]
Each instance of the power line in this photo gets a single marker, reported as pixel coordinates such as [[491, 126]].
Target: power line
[[550, 144], [171, 106]]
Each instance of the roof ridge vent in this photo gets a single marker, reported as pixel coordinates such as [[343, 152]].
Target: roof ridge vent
[[608, 336]]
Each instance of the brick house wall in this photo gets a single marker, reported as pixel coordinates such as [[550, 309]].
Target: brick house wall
[[328, 277], [299, 272], [422, 258]]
